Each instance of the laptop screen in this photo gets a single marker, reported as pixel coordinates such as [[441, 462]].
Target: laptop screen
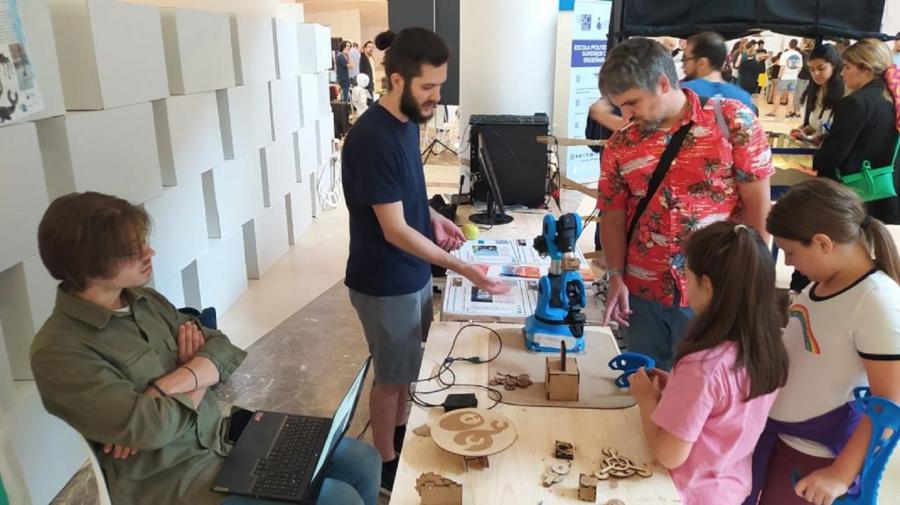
[[342, 417]]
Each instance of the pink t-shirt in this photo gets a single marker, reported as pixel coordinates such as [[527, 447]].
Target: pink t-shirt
[[703, 403]]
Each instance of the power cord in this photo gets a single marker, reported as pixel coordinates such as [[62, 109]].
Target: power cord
[[446, 368]]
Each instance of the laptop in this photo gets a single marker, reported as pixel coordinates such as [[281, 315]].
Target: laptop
[[282, 456]]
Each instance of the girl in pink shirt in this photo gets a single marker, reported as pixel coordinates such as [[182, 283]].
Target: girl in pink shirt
[[702, 421]]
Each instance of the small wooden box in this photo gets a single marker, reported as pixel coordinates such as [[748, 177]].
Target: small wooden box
[[562, 385], [587, 488]]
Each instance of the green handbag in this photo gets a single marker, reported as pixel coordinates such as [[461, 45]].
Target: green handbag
[[872, 183]]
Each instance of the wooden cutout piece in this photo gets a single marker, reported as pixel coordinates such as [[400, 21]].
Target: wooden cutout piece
[[423, 431], [587, 488], [564, 450], [434, 489], [613, 465]]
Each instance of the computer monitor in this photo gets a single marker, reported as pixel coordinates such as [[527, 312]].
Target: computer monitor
[[495, 213]]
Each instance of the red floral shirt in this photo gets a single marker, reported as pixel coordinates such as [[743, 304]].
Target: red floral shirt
[[700, 188]]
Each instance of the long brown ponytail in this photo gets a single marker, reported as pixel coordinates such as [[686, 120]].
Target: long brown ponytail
[[824, 206]]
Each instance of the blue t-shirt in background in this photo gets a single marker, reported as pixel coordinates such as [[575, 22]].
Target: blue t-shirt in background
[[710, 89], [381, 163]]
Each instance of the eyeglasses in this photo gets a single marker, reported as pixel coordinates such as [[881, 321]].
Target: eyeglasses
[[689, 58]]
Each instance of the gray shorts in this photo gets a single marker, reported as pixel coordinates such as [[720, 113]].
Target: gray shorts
[[395, 328]]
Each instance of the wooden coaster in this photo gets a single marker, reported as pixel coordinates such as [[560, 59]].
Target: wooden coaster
[[473, 432]]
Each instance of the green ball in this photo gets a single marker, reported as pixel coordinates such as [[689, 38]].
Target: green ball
[[470, 231]]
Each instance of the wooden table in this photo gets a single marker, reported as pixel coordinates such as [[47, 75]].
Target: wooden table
[[514, 476]]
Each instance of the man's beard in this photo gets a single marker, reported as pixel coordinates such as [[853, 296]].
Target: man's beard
[[648, 127], [413, 109]]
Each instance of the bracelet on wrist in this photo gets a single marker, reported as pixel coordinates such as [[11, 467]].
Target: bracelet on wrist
[[157, 388], [614, 271], [196, 380]]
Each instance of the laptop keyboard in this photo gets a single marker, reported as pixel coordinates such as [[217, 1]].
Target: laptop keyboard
[[293, 455]]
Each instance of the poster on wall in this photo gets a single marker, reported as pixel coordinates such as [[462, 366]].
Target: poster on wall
[[589, 38], [20, 95]]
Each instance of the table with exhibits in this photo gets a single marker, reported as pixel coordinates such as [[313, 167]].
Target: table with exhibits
[[514, 476]]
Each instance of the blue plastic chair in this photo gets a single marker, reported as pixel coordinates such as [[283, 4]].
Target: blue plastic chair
[[885, 417]]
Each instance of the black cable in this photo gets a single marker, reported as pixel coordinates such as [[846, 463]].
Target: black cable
[[446, 368]]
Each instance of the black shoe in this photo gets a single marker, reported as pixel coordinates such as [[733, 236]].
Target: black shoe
[[399, 433], [388, 474]]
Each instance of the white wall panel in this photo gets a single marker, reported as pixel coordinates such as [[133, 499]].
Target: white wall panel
[[253, 49], [308, 89], [23, 193], [28, 295], [221, 273], [288, 58], [244, 118], [178, 234], [285, 107], [198, 50], [188, 135], [265, 240], [110, 53], [233, 194], [111, 151], [279, 170]]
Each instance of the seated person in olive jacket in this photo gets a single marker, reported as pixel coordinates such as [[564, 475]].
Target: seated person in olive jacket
[[123, 367], [865, 125]]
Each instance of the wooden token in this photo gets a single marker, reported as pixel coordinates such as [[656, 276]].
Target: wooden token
[[473, 432]]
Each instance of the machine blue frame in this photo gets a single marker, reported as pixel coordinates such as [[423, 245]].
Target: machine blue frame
[[557, 318]]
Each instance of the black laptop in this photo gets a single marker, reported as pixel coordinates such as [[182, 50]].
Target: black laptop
[[282, 456]]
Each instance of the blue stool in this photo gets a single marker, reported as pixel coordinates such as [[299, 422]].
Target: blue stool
[[885, 416], [628, 363]]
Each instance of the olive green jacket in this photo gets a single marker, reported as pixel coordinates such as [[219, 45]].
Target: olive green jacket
[[92, 365]]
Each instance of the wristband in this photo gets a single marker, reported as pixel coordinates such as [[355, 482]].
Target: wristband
[[196, 381], [157, 388], [614, 271]]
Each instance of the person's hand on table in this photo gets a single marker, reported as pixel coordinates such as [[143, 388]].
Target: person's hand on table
[[644, 388], [447, 235]]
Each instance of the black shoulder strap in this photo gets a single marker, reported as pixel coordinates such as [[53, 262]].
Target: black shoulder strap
[[659, 174]]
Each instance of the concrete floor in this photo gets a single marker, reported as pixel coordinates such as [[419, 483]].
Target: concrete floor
[[307, 359]]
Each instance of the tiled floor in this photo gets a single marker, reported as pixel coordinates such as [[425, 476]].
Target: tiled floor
[[298, 367]]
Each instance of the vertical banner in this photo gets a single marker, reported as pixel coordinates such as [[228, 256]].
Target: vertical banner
[[590, 29], [19, 92]]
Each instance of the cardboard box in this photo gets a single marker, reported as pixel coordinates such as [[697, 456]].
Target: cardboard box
[[198, 50]]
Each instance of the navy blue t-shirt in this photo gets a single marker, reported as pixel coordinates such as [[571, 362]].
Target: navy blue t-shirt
[[381, 164], [343, 73]]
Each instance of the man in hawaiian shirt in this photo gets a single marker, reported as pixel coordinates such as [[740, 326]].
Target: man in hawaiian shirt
[[717, 175]]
